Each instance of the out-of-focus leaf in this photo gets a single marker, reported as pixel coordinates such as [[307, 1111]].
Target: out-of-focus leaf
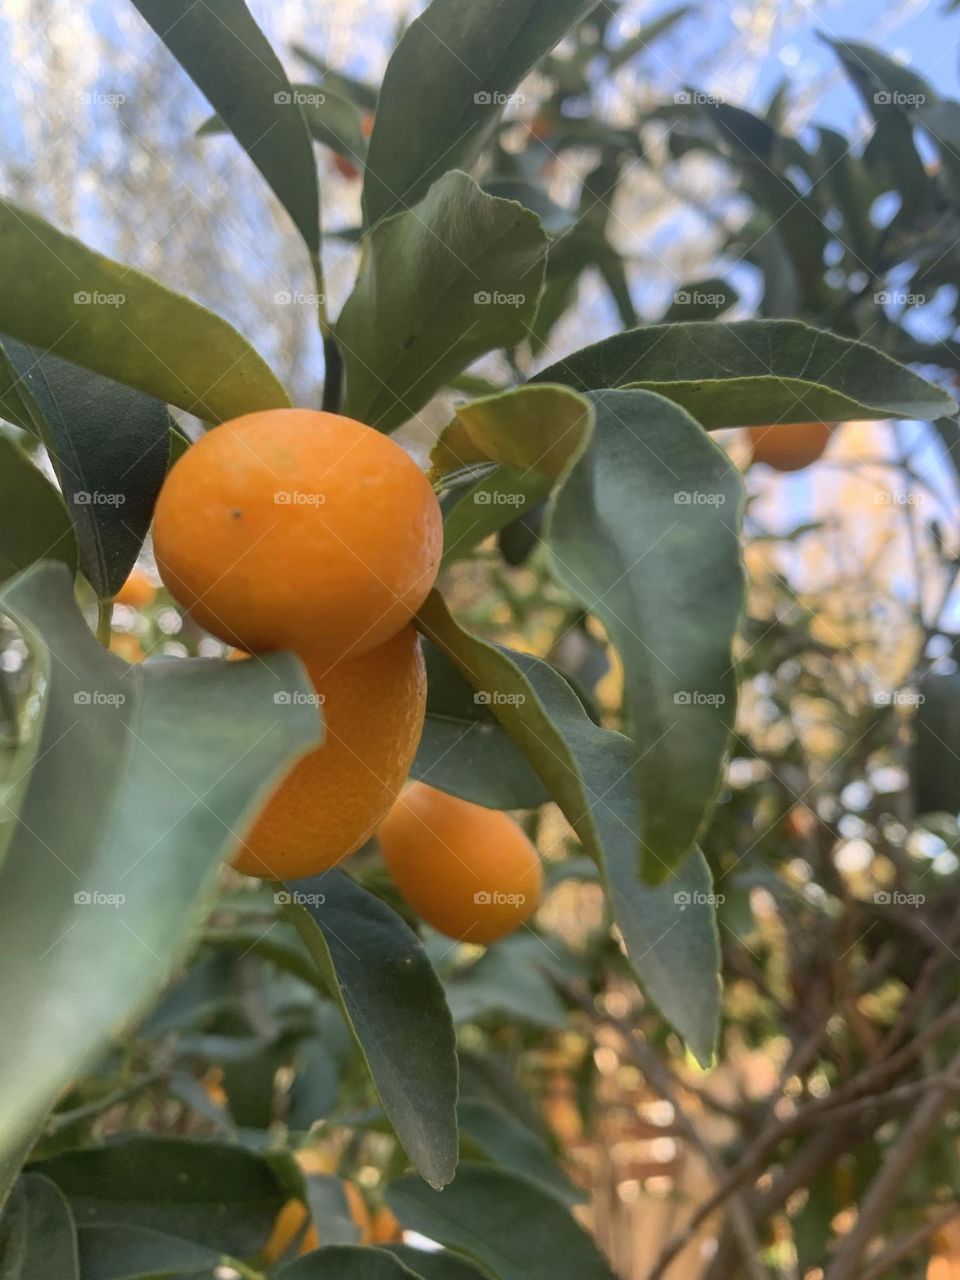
[[332, 120], [34, 524], [38, 1237]]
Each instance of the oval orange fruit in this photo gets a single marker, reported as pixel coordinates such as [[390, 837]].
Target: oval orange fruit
[[790, 446]]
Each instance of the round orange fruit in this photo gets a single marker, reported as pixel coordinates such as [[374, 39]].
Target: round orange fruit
[[297, 529], [331, 802], [468, 871], [790, 446], [138, 591]]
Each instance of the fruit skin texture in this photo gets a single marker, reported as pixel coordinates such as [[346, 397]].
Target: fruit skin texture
[[443, 852], [138, 591], [373, 708], [790, 446], [295, 529]]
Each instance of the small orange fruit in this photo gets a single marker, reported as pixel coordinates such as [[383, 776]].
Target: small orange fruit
[[332, 801], [468, 871], [293, 1223], [138, 591], [790, 446], [385, 1227], [126, 646], [296, 529], [341, 163]]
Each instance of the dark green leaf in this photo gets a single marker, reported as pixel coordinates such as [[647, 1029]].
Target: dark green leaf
[[472, 56], [119, 1252], [38, 1238], [34, 524], [344, 1263], [464, 750], [439, 285], [935, 755], [754, 372], [142, 778], [701, 300], [511, 1145], [393, 1001], [109, 445], [644, 532], [669, 932], [220, 1196], [233, 64], [508, 1225], [66, 299], [436, 1264]]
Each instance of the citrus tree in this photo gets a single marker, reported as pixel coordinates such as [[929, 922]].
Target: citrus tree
[[278, 1072]]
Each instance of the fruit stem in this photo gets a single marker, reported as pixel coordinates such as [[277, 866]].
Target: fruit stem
[[332, 362], [104, 621]]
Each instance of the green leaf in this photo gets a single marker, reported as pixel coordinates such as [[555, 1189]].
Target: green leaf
[[533, 433], [118, 1252], [393, 1002], [142, 778], [439, 286], [650, 31], [34, 524], [38, 1238], [216, 1195], [511, 1145], [445, 86], [935, 753], [109, 446], [347, 86], [233, 64], [332, 120], [435, 1264], [341, 1262], [65, 298], [464, 750], [504, 984], [669, 932], [508, 1225], [754, 372], [644, 532]]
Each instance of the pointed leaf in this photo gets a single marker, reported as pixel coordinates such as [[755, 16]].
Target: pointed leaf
[[332, 120], [109, 446], [754, 372], [472, 56], [233, 64], [117, 1252], [143, 778], [669, 932], [436, 1264], [65, 298], [377, 968], [508, 1225], [341, 1262], [34, 524], [38, 1238], [440, 285]]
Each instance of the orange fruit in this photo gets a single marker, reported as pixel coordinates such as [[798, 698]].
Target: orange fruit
[[332, 801], [138, 591], [468, 871], [341, 163], [126, 646], [385, 1227], [297, 529], [293, 1223], [790, 446]]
